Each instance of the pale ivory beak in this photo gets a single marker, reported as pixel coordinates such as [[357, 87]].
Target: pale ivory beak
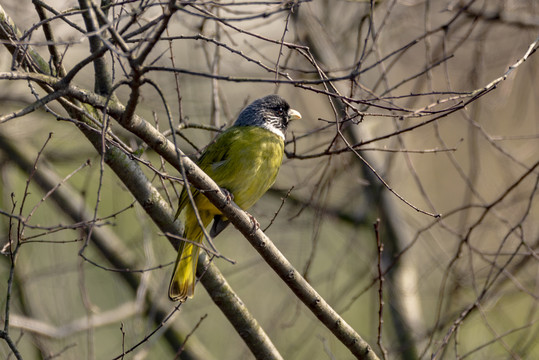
[[293, 115]]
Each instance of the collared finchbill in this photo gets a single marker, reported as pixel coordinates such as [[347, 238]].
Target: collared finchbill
[[245, 160]]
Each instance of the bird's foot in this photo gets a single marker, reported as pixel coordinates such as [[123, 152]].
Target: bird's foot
[[228, 194], [256, 224]]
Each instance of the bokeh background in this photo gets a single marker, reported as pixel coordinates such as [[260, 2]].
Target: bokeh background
[[463, 285]]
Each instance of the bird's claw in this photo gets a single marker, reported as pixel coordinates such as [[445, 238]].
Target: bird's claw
[[228, 194], [256, 224]]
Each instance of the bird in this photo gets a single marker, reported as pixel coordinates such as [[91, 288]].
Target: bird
[[244, 161]]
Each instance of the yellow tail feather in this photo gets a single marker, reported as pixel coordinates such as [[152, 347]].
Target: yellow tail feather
[[182, 284]]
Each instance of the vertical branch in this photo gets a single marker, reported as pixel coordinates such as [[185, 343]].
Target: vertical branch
[[13, 248], [102, 81], [380, 247], [216, 60], [53, 50]]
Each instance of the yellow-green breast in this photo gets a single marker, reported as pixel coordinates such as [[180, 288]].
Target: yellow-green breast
[[244, 160]]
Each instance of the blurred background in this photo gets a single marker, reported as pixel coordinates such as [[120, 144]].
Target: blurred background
[[408, 122]]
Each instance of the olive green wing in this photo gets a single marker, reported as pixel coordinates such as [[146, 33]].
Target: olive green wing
[[216, 154]]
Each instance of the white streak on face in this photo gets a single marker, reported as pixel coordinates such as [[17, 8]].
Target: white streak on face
[[269, 124]]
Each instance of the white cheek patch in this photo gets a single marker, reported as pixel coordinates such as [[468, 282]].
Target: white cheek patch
[[269, 124]]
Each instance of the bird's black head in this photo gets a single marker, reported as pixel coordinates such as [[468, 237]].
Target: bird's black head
[[271, 112]]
